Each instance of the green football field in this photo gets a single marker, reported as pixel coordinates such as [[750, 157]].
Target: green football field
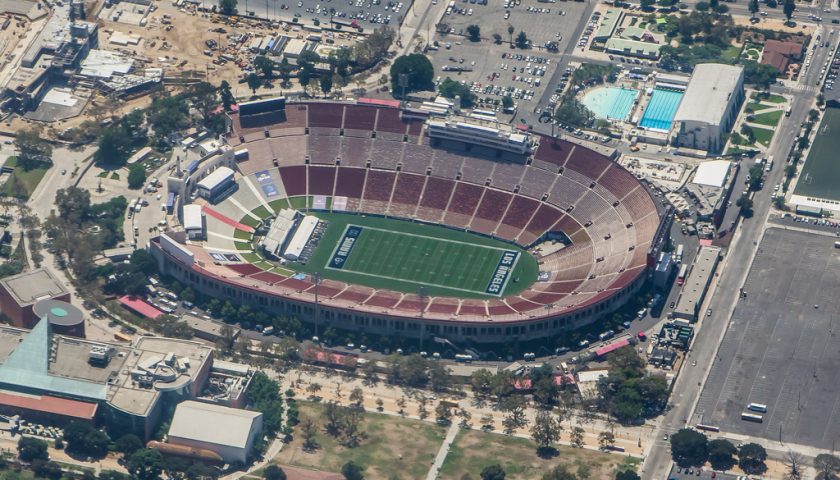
[[403, 256], [820, 176]]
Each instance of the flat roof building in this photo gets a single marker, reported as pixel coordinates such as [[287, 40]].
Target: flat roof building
[[697, 283], [216, 184], [193, 221], [710, 106], [230, 432], [20, 292]]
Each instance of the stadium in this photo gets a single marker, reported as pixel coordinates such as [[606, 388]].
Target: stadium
[[366, 217]]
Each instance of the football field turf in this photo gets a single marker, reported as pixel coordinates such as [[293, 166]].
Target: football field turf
[[424, 260], [820, 176], [404, 256]]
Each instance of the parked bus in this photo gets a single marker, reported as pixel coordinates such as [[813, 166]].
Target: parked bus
[[122, 337], [681, 275], [679, 255], [751, 417], [708, 428], [757, 407]]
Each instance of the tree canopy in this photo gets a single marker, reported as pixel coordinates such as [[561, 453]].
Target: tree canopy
[[751, 457], [145, 464], [628, 393], [450, 89], [721, 454], [689, 448], [417, 68], [84, 438], [33, 151]]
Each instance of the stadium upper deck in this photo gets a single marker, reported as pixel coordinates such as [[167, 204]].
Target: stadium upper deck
[[369, 159]]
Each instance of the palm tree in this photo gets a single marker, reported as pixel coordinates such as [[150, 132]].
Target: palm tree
[[510, 33]]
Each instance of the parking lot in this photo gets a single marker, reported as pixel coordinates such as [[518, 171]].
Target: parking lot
[[365, 13], [782, 347], [495, 70]]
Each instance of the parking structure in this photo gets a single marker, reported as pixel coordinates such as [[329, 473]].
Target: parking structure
[[782, 348], [365, 13], [495, 70]]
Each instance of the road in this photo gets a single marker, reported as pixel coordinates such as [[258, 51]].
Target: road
[[733, 272]]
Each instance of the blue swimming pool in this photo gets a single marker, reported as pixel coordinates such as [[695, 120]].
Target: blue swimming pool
[[612, 103], [660, 111]]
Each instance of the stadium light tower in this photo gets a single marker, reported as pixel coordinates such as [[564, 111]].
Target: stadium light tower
[[316, 276], [422, 294]]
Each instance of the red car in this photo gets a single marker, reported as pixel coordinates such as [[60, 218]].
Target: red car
[[642, 336]]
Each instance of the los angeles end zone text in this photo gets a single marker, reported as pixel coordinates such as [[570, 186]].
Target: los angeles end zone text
[[390, 262]]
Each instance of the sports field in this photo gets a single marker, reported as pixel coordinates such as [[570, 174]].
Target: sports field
[[403, 256], [820, 176]]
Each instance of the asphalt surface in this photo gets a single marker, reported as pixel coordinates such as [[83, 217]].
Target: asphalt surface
[[285, 10], [782, 348], [735, 266]]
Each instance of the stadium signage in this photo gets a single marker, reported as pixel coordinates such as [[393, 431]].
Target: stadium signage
[[503, 270], [344, 247]]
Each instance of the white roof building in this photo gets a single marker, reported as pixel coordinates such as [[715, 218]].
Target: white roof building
[[710, 106], [301, 237], [215, 178], [230, 432], [193, 221], [712, 173]]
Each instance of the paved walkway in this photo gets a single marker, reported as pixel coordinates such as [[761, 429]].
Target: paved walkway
[[444, 450]]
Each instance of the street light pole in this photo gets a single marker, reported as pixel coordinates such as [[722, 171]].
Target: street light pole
[[317, 277], [422, 295]]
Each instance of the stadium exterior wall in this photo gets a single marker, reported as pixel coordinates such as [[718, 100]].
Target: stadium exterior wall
[[403, 325]]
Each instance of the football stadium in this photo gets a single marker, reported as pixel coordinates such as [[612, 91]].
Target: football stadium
[[365, 216]]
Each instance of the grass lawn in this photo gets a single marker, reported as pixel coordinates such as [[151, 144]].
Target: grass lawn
[[820, 176], [731, 53], [299, 203], [394, 448], [772, 98], [763, 135], [22, 183], [242, 235], [115, 176], [103, 174], [277, 205], [402, 255], [250, 221], [755, 107], [261, 212], [250, 257], [245, 246], [473, 450], [771, 119], [738, 139]]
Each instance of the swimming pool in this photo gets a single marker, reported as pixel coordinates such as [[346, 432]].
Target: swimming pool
[[660, 111], [613, 103]]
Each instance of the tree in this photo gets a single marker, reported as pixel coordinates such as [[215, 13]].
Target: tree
[[136, 176], [522, 41], [326, 82], [417, 68], [751, 457], [443, 415], [721, 454], [507, 102], [264, 65], [606, 440], [689, 448], [46, 469], [627, 475], [788, 8], [226, 94], [145, 464], [357, 396], [572, 112], [493, 472], [31, 449], [83, 438], [352, 471], [826, 465], [113, 475], [745, 203], [577, 437], [754, 8], [273, 472], [497, 39], [253, 81], [285, 71], [33, 151], [129, 443], [794, 462], [114, 147], [450, 89], [308, 430], [305, 75], [559, 473], [646, 4], [510, 31], [474, 33], [545, 432], [228, 7]]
